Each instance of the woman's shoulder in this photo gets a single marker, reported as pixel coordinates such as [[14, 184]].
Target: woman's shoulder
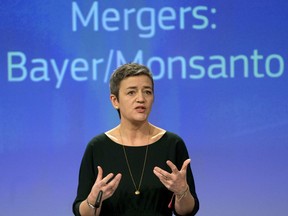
[[160, 134], [156, 133], [113, 135], [99, 140], [173, 135], [167, 134]]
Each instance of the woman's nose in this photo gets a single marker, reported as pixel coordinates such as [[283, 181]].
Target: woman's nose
[[140, 97]]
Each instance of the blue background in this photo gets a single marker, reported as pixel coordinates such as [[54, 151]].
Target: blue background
[[235, 128]]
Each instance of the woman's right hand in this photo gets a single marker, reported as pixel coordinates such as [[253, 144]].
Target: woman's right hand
[[108, 185]]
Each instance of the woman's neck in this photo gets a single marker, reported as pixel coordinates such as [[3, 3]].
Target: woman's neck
[[135, 135]]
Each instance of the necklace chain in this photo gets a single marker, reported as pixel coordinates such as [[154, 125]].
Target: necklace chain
[[137, 189]]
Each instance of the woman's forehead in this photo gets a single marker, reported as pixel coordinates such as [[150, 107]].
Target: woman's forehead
[[136, 82]]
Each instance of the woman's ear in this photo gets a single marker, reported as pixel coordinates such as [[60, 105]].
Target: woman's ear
[[114, 101]]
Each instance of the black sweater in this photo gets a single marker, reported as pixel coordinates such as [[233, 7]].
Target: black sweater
[[154, 197]]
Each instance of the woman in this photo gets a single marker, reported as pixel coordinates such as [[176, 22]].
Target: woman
[[138, 168]]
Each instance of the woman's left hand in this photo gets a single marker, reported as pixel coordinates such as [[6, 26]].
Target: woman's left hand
[[176, 180]]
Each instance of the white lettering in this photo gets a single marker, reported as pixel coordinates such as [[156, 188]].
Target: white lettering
[[19, 66], [221, 66], [268, 66], [113, 17], [193, 65], [42, 71], [255, 57], [76, 13], [78, 66], [145, 19]]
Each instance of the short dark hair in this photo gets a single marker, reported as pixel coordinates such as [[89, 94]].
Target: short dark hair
[[128, 70]]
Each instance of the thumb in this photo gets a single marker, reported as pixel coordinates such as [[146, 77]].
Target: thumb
[[185, 164]]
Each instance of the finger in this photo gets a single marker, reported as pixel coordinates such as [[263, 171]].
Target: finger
[[161, 174], [100, 174], [185, 164], [172, 166], [161, 177], [115, 182], [108, 178], [157, 172], [112, 185]]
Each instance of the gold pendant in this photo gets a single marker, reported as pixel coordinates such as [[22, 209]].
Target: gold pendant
[[137, 192]]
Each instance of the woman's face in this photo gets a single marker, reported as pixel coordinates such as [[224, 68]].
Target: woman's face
[[135, 98]]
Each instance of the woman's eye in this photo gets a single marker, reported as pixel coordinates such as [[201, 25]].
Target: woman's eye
[[148, 92]]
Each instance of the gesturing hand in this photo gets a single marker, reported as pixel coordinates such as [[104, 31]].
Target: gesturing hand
[[108, 185], [176, 180]]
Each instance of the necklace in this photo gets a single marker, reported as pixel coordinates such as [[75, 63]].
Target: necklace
[[137, 189]]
